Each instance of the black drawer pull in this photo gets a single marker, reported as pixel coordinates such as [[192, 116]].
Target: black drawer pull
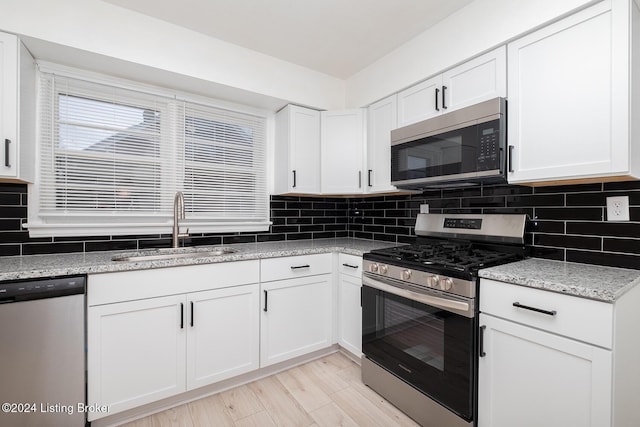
[[481, 352], [537, 310], [181, 316], [350, 266], [266, 296], [295, 267], [444, 105], [191, 323], [510, 159], [7, 163]]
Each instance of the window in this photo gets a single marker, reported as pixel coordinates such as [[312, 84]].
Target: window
[[111, 159]]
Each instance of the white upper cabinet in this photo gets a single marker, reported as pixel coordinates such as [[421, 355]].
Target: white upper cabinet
[[477, 80], [342, 151], [381, 119], [570, 98], [419, 102], [297, 151], [17, 110]]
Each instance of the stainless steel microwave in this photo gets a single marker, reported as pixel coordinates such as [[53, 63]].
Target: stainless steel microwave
[[463, 147]]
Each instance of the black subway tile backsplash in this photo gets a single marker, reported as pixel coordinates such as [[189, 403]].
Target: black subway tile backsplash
[[569, 221]]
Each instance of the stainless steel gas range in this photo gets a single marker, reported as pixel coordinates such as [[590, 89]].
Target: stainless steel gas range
[[420, 313]]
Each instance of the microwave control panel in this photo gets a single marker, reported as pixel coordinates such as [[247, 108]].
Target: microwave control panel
[[489, 147]]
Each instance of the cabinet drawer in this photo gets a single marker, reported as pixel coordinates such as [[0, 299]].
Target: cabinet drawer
[[578, 318], [294, 266], [351, 265], [110, 288]]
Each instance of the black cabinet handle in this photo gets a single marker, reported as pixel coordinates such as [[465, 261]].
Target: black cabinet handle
[[191, 322], [437, 96], [294, 179], [6, 153], [481, 352], [266, 296], [444, 105], [181, 316], [295, 267], [369, 177], [537, 310], [350, 266], [510, 159]]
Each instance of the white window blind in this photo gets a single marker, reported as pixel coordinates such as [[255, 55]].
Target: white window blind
[[111, 159]]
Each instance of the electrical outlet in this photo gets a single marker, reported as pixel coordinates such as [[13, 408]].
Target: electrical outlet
[[424, 208], [618, 208]]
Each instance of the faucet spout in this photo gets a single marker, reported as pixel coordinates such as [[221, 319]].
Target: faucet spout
[[178, 214]]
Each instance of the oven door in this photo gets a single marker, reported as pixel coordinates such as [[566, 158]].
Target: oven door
[[427, 342]]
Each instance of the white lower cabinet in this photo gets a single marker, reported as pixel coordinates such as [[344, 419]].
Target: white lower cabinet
[[555, 360], [145, 345], [297, 306], [532, 378], [349, 303], [135, 353], [296, 317], [223, 334]]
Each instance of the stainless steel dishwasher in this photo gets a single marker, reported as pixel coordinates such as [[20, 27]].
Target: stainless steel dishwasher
[[42, 352]]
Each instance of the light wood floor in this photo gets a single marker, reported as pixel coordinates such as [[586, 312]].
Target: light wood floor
[[324, 392]]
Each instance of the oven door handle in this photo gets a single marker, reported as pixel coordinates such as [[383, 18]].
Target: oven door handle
[[447, 304]]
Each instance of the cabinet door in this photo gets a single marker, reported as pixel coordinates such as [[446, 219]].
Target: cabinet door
[[562, 100], [382, 117], [223, 334], [477, 80], [350, 314], [8, 105], [297, 150], [136, 352], [296, 317], [420, 102], [305, 150], [530, 378], [342, 153]]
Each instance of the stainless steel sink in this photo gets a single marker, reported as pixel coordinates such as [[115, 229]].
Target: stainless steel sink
[[161, 254]]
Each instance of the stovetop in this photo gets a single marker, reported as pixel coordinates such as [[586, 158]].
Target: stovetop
[[444, 256]]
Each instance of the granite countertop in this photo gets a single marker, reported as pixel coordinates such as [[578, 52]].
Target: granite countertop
[[583, 280], [37, 266]]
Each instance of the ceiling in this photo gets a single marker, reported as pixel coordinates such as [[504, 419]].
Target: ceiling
[[334, 37]]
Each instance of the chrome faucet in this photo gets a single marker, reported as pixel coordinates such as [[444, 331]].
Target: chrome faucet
[[178, 214]]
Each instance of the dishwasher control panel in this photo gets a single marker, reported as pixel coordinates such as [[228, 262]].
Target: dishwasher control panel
[[32, 289]]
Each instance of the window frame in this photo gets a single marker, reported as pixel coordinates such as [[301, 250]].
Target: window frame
[[43, 223]]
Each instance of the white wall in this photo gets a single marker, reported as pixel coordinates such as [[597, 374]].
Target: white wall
[[478, 27], [110, 31]]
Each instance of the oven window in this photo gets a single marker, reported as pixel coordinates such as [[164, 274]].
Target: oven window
[[416, 332]]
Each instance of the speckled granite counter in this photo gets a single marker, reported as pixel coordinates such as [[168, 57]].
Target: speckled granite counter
[[33, 266], [582, 280]]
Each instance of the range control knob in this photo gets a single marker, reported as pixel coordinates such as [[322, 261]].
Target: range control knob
[[384, 269], [432, 281], [446, 283], [405, 275], [373, 267]]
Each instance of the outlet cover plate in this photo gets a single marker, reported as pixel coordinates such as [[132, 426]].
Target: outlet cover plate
[[618, 208], [424, 208]]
